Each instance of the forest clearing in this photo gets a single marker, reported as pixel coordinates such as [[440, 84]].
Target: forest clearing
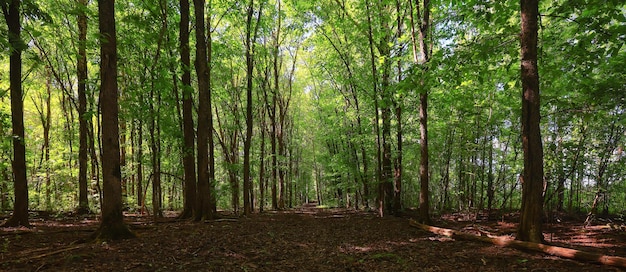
[[304, 239]]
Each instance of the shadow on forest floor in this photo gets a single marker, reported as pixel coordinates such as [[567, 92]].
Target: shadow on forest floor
[[302, 239]]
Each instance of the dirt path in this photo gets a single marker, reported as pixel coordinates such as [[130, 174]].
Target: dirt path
[[304, 239]]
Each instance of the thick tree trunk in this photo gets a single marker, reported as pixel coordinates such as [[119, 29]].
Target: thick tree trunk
[[112, 223], [188, 126], [530, 228], [11, 13], [203, 208]]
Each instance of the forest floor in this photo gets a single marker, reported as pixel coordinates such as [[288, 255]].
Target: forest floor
[[303, 239]]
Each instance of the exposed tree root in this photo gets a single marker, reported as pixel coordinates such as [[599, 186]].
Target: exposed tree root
[[118, 231], [508, 242]]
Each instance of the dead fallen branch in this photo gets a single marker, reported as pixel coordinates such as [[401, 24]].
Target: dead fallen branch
[[46, 254], [508, 242]]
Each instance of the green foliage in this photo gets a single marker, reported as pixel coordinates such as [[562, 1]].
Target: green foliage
[[330, 125]]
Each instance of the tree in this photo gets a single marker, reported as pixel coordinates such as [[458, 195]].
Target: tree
[[530, 228], [278, 185], [422, 58], [83, 203], [11, 12], [188, 131], [250, 40], [155, 118], [112, 226], [204, 209]]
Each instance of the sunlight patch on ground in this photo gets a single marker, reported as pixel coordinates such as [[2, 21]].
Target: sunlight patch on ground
[[587, 240], [353, 248], [440, 239]]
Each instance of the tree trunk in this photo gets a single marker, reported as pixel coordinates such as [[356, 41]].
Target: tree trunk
[[212, 196], [83, 202], [422, 58], [95, 167], [380, 192], [11, 13], [262, 179], [530, 228], [155, 152], [397, 175], [490, 177], [45, 123], [247, 181], [203, 208], [124, 184], [397, 189], [112, 225], [386, 184], [275, 125], [188, 130], [139, 158], [155, 121], [250, 39], [424, 208]]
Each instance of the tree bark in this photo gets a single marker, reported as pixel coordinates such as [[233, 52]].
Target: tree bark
[[248, 140], [83, 202], [397, 176], [11, 13], [277, 197], [123, 129], [262, 178], [530, 228], [188, 126], [370, 37], [112, 225], [203, 203], [419, 37], [139, 158], [250, 40], [155, 120]]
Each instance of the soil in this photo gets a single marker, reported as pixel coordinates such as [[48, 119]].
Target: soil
[[303, 239]]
